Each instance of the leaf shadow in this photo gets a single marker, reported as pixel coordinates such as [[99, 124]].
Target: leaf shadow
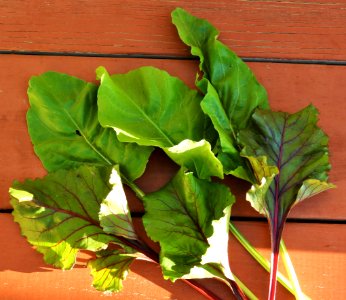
[[147, 278]]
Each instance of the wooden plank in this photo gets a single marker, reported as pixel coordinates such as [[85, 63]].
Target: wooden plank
[[281, 29], [290, 88], [23, 275], [317, 251]]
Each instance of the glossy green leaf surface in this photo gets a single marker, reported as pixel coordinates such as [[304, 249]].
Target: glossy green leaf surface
[[236, 92], [196, 157], [193, 213], [115, 217], [59, 213], [239, 91], [109, 270], [149, 107], [65, 131], [228, 152]]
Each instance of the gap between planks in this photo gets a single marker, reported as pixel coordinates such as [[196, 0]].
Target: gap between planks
[[175, 57], [242, 219]]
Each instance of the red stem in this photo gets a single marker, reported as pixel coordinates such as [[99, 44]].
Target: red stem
[[276, 233], [275, 224], [142, 247], [274, 260], [201, 289], [238, 293]]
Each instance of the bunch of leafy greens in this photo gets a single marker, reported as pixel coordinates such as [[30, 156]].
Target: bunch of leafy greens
[[93, 139]]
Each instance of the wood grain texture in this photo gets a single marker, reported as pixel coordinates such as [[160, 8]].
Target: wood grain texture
[[316, 250], [267, 28], [290, 87]]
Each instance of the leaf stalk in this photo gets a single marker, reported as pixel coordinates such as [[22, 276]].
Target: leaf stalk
[[259, 258], [274, 261], [153, 256], [297, 291]]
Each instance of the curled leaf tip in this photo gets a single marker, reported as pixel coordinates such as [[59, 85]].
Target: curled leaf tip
[[22, 196], [100, 72]]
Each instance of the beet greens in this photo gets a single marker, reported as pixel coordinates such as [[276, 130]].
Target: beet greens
[[93, 139], [289, 155]]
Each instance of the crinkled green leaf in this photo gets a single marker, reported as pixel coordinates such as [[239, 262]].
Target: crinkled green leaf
[[260, 167], [65, 131], [289, 155], [109, 270], [115, 217], [235, 93], [239, 91], [259, 191], [59, 213], [312, 187], [294, 147], [150, 107], [228, 154], [194, 214], [196, 157]]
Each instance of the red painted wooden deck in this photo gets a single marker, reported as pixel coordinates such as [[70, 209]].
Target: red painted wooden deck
[[300, 49]]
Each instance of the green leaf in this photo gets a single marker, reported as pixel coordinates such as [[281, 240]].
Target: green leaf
[[239, 91], [115, 217], [294, 147], [149, 107], [312, 187], [289, 155], [59, 213], [109, 270], [65, 131], [196, 157], [228, 154], [194, 214], [232, 91], [258, 192]]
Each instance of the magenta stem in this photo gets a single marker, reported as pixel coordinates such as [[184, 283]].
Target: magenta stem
[[274, 261], [276, 233], [201, 289]]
